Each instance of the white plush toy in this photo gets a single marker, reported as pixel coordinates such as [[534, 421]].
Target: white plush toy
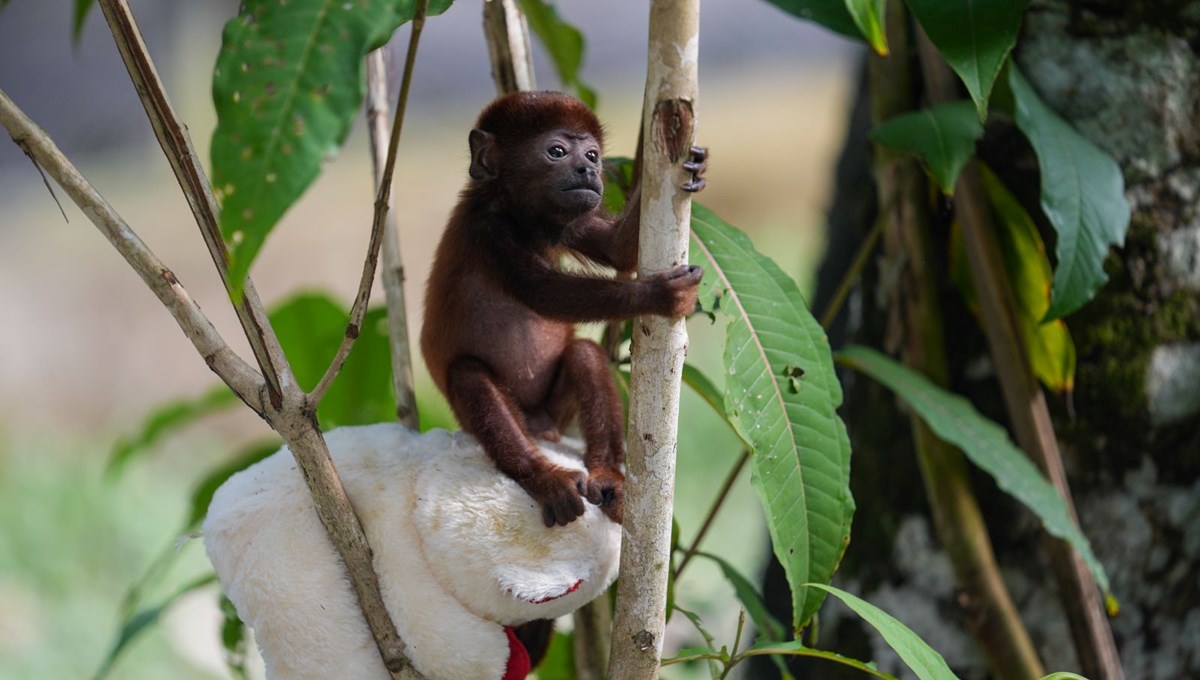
[[460, 549]]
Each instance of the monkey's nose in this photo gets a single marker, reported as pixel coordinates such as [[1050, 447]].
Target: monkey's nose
[[585, 169]]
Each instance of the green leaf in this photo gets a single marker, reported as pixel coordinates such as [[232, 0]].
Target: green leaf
[[697, 653], [943, 137], [831, 14], [166, 419], [781, 393], [78, 16], [202, 494], [920, 657], [137, 624], [1064, 676], [288, 82], [563, 42], [797, 648], [868, 15], [233, 639], [748, 595], [310, 328], [1049, 345], [974, 36], [1083, 196], [985, 443]]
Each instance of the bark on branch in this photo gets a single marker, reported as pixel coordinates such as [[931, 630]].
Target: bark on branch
[[659, 344]]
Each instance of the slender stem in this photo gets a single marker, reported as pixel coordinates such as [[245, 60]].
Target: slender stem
[[173, 136], [852, 275], [383, 201], [1024, 399], [507, 35], [378, 114], [712, 511], [235, 372], [659, 345], [767, 651]]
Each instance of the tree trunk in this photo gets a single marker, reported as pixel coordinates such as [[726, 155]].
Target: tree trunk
[[1127, 75]]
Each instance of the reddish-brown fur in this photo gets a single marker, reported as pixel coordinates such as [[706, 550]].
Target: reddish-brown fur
[[499, 335]]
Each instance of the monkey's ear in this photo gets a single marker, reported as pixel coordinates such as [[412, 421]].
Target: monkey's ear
[[483, 147]]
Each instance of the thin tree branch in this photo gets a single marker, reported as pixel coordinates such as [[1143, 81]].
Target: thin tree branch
[[241, 378], [383, 202], [1025, 401], [852, 275], [722, 495], [173, 136], [289, 412], [378, 112], [659, 344], [507, 35]]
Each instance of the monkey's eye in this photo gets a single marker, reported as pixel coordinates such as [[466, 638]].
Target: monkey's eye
[[556, 151], [593, 156]]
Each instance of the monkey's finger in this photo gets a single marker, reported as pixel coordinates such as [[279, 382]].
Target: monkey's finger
[[594, 494], [695, 167], [699, 153], [695, 185], [548, 515]]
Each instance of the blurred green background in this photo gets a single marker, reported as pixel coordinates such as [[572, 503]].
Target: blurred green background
[[86, 350]]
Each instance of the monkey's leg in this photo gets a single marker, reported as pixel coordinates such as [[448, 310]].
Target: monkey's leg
[[488, 411], [584, 382]]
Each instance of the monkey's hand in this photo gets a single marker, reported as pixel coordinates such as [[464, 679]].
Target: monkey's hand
[[674, 291], [560, 493], [696, 164], [606, 488]]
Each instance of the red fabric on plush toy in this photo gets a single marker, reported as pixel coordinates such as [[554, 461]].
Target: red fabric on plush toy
[[460, 549], [518, 658]]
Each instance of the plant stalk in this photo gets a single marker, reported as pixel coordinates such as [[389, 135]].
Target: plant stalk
[[659, 344]]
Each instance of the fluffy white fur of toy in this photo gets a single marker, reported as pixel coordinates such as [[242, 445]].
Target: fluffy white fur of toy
[[460, 550]]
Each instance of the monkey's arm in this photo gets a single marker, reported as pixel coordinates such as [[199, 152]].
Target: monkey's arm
[[610, 242], [568, 297]]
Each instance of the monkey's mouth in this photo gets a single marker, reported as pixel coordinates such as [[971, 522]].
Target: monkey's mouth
[[579, 188]]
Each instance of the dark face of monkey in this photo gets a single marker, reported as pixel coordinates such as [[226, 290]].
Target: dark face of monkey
[[568, 171]]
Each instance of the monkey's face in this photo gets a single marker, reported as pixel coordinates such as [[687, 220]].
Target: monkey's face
[[563, 169]]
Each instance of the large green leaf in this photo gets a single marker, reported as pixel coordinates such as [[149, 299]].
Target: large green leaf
[[974, 36], [868, 15], [985, 443], [310, 328], [920, 657], [781, 393], [563, 42], [78, 16], [139, 622], [831, 14], [1051, 351], [164, 420], [1083, 196], [288, 82], [943, 137]]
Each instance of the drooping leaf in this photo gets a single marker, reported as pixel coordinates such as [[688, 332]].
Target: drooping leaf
[[164, 420], [233, 639], [1083, 196], [797, 648], [943, 137], [974, 36], [918, 656], [801, 461], [706, 653], [310, 328], [78, 16], [563, 42], [202, 494], [985, 444], [748, 595], [868, 15], [831, 14], [138, 623], [288, 82], [1049, 344]]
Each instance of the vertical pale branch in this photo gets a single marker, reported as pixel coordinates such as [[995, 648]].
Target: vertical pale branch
[[507, 35], [392, 275], [659, 344]]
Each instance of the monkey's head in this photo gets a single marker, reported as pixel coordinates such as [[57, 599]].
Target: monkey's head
[[542, 152]]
